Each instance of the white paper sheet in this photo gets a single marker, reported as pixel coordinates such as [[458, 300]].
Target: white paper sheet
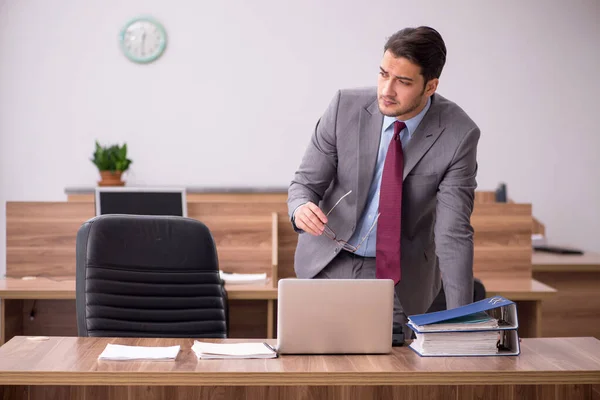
[[122, 352], [233, 350], [243, 278]]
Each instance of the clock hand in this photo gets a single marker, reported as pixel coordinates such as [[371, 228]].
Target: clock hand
[[143, 42]]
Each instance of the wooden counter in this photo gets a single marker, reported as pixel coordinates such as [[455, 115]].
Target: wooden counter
[[548, 262], [575, 310], [68, 368], [51, 300]]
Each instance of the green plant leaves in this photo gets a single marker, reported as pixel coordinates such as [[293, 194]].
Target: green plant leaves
[[111, 158]]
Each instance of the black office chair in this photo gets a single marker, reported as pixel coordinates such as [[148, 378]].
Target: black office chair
[[439, 303], [148, 276]]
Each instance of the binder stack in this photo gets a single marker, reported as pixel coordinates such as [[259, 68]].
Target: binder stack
[[484, 328]]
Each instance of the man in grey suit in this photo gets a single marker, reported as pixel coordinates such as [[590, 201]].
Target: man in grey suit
[[412, 211]]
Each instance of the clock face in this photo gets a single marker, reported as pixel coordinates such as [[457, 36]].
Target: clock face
[[143, 40]]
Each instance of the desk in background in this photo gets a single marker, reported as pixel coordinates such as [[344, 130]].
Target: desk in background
[[575, 310], [253, 234], [68, 368], [54, 305], [252, 308], [529, 297]]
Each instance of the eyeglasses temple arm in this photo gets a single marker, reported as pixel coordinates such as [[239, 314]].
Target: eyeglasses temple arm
[[338, 202], [369, 232]]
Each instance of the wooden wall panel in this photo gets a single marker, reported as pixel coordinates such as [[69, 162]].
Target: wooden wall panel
[[490, 197], [52, 317], [247, 318], [243, 241], [40, 237], [287, 238], [12, 318], [502, 240], [41, 242], [575, 309], [484, 196]]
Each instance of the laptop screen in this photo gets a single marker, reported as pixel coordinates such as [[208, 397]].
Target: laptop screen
[[141, 201]]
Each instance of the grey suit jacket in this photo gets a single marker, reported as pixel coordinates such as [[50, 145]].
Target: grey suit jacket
[[440, 168]]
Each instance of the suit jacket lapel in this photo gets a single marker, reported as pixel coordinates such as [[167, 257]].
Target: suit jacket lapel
[[424, 137], [369, 131]]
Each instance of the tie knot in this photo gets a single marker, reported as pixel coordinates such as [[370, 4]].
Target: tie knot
[[398, 126]]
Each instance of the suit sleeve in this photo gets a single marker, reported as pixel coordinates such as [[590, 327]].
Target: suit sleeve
[[453, 230], [319, 164]]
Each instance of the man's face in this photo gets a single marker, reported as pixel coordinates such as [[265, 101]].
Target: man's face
[[401, 90]]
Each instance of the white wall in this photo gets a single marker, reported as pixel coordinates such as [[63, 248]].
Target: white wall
[[235, 97]]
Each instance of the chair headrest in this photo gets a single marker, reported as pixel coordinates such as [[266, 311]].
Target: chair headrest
[[147, 242]]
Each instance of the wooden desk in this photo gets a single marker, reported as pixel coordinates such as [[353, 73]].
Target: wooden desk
[[64, 289], [528, 295], [55, 309], [575, 310], [547, 262], [68, 368], [52, 301]]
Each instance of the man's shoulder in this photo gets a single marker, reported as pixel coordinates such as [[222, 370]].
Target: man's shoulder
[[451, 114], [358, 95]]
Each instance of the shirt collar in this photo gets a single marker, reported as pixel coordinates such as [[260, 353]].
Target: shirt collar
[[411, 124]]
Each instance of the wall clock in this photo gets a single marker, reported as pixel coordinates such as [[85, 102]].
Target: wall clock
[[143, 40]]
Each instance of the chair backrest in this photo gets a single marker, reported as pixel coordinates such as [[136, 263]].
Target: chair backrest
[[439, 303], [478, 290], [148, 276]]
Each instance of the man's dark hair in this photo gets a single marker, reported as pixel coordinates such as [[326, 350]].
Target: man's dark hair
[[423, 46]]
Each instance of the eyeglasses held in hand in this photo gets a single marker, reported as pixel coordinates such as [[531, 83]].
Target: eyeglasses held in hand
[[330, 233]]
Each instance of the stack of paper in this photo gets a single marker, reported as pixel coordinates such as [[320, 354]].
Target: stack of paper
[[458, 343], [121, 352], [233, 350], [243, 278]]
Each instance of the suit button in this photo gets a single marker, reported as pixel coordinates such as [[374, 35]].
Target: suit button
[[335, 250]]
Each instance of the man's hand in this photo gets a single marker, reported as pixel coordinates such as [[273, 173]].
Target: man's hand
[[310, 218]]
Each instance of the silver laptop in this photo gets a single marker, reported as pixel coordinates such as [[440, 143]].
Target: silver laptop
[[335, 316]]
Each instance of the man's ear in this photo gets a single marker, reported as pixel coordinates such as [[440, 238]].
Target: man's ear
[[431, 86]]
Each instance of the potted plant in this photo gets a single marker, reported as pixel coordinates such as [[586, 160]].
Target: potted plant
[[111, 161]]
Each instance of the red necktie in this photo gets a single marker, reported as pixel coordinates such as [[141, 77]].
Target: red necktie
[[387, 255]]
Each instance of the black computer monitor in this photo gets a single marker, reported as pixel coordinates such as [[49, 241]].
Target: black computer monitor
[[141, 201]]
